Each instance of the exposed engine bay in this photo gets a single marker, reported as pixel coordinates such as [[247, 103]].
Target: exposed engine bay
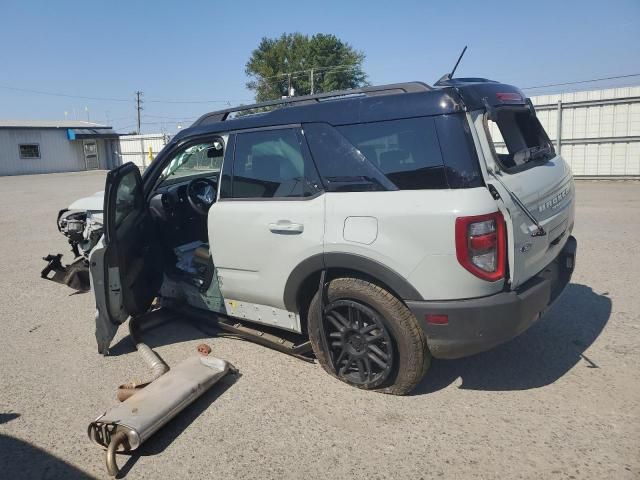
[[83, 229], [82, 224]]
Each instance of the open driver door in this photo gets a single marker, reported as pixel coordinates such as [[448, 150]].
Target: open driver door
[[126, 264]]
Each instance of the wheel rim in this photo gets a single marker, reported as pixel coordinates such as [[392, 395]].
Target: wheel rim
[[358, 342]]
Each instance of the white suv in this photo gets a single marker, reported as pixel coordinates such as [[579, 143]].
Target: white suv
[[377, 227]]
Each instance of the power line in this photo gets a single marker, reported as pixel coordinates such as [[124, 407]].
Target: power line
[[294, 74], [39, 92], [309, 73], [108, 99], [126, 127], [315, 69], [170, 118], [119, 118], [197, 101], [582, 81]]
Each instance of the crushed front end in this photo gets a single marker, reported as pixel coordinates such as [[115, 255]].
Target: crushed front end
[[83, 229]]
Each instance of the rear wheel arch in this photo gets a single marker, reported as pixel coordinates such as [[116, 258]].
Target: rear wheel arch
[[303, 281], [398, 344]]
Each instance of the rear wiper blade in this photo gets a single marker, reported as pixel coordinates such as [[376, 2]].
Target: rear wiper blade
[[541, 152], [532, 153]]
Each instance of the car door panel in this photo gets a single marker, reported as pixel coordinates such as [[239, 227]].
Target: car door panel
[[257, 242], [126, 265], [256, 245]]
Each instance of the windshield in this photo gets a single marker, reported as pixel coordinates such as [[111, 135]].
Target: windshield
[[194, 160], [518, 138]]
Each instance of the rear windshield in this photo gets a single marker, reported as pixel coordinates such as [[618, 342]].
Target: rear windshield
[[519, 139], [406, 154]]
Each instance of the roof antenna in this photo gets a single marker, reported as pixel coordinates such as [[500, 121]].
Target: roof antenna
[[449, 76]]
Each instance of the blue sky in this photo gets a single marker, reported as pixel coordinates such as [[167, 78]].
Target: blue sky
[[195, 51]]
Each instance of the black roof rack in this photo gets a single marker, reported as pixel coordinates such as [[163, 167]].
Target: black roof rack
[[391, 89]]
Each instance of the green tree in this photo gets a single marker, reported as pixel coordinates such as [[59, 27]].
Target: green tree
[[336, 65]]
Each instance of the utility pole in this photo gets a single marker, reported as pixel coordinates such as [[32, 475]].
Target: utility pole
[[289, 86], [311, 81], [138, 107]]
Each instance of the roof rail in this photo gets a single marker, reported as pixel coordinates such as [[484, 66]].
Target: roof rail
[[393, 88]]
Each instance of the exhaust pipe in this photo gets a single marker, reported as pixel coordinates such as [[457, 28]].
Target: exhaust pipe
[[152, 359], [126, 426]]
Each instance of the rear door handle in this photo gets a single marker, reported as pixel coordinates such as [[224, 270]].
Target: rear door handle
[[286, 227]]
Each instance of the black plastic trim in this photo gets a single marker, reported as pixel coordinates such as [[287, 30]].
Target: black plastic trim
[[348, 261], [479, 324]]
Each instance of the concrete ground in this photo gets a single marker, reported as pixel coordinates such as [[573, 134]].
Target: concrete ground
[[560, 401]]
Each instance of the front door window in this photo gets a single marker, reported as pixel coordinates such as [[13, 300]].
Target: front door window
[[194, 160], [271, 164]]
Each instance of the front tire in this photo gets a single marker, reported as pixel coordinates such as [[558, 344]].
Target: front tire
[[368, 338]]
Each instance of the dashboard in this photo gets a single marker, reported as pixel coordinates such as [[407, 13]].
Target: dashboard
[[170, 207]]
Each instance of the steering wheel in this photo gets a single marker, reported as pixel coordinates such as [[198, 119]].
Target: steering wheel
[[201, 193]]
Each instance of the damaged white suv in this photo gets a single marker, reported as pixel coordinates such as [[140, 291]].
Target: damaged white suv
[[375, 227]]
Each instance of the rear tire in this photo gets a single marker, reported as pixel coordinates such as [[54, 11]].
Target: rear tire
[[368, 338]]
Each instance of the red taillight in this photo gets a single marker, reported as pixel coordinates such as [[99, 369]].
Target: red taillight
[[483, 242], [481, 245]]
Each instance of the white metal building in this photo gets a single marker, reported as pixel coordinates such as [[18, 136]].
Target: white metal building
[[38, 146]]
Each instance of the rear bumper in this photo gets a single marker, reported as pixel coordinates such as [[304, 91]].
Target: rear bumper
[[479, 324]]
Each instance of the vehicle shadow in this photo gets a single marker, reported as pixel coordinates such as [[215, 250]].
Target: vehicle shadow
[[20, 459], [538, 357], [172, 430], [163, 327], [7, 417]]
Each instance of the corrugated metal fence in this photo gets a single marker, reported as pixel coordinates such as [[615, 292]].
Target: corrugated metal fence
[[599, 130], [142, 149]]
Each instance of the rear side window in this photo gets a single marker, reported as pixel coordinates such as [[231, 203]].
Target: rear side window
[[406, 154], [406, 151], [270, 164], [459, 153], [342, 166]]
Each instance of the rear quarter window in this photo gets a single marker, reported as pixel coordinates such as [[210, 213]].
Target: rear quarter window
[[406, 151], [406, 154], [458, 151]]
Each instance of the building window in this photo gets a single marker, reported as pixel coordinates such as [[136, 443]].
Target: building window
[[29, 151]]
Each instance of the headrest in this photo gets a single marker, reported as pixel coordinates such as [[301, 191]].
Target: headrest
[[266, 167], [393, 158]]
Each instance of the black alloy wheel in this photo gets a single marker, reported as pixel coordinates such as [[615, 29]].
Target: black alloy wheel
[[359, 344]]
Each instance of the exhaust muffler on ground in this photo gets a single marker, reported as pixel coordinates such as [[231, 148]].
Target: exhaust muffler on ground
[[126, 426]]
